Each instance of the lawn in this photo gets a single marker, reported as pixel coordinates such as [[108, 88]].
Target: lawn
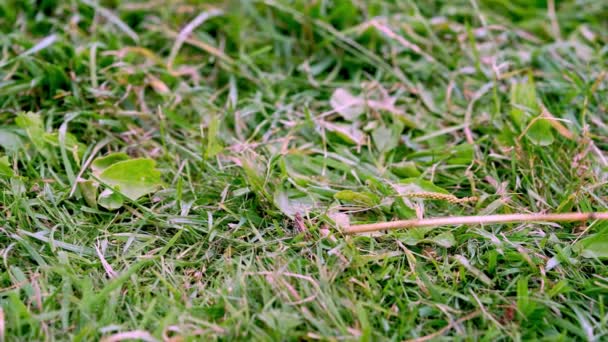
[[186, 170]]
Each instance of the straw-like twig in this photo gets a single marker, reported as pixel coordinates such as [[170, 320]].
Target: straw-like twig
[[470, 220]]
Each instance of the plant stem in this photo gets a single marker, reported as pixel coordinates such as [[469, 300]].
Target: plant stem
[[470, 220]]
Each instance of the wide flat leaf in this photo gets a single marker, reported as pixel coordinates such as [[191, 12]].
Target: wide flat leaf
[[134, 178], [5, 167], [414, 236], [540, 132], [102, 163], [71, 143], [594, 246], [213, 144], [523, 102], [110, 199], [32, 124], [525, 108], [405, 169], [9, 140], [88, 188], [387, 138], [411, 185], [359, 198], [445, 239], [292, 206]]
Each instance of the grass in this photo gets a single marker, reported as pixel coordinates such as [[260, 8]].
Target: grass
[[274, 121]]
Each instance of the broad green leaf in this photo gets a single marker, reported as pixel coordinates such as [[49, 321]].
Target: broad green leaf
[[9, 140], [387, 138], [524, 104], [417, 235], [462, 154], [110, 200], [405, 169], [525, 108], [71, 143], [213, 144], [134, 178], [292, 206], [88, 189], [5, 167], [410, 185], [445, 239], [594, 246], [414, 236], [540, 132], [346, 104], [102, 163], [402, 210], [359, 198], [32, 124]]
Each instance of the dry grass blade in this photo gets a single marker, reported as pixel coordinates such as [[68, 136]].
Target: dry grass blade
[[130, 335], [471, 220], [187, 30]]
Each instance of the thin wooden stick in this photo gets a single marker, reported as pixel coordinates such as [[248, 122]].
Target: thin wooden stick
[[470, 220]]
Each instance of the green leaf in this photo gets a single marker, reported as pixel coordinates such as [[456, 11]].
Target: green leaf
[[5, 167], [414, 236], [71, 143], [540, 132], [110, 200], [462, 154], [525, 108], [349, 133], [102, 163], [405, 169], [417, 235], [134, 178], [445, 239], [9, 140], [387, 138], [410, 185], [89, 192], [213, 144], [292, 206], [359, 198], [523, 102], [32, 124], [594, 246]]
